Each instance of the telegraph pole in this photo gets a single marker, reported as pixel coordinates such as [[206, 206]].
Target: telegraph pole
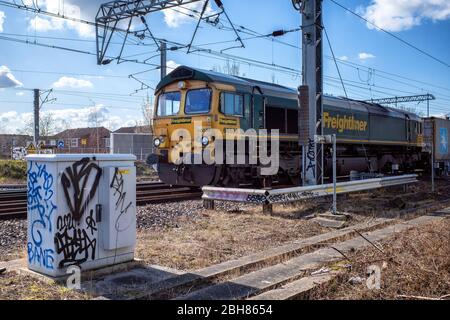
[[163, 48], [310, 113], [37, 106]]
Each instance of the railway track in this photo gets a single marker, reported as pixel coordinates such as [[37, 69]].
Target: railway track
[[13, 201], [13, 198]]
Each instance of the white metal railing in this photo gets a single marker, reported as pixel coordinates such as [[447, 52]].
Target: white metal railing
[[259, 196]]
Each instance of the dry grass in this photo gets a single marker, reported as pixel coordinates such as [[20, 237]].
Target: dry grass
[[223, 235], [20, 287], [417, 264], [218, 237]]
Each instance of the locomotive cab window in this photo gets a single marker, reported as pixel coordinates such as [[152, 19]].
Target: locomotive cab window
[[232, 104], [169, 104], [198, 101]]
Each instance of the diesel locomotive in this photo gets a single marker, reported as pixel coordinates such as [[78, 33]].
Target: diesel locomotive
[[370, 137]]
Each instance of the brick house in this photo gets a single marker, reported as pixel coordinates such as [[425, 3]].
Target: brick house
[[84, 140]]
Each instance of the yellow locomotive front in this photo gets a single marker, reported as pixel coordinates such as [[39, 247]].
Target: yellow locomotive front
[[185, 111]]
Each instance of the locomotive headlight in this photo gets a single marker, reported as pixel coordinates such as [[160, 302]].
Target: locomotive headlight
[[157, 142], [182, 85], [205, 141]]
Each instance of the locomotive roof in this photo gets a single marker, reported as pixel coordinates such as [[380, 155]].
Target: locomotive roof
[[274, 90], [241, 83]]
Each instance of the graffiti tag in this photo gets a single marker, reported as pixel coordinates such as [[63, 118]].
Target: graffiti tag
[[73, 242], [40, 208], [77, 177]]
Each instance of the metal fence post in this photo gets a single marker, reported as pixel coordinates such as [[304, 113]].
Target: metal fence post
[[432, 166], [334, 210]]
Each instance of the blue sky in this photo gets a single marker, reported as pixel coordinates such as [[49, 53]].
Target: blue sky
[[372, 63]]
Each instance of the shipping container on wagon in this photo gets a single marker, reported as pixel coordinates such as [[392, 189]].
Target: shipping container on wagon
[[437, 130]]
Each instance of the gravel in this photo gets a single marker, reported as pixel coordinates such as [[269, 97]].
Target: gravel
[[170, 215], [13, 232], [13, 237]]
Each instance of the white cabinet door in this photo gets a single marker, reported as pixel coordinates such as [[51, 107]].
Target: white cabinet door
[[76, 230], [118, 199]]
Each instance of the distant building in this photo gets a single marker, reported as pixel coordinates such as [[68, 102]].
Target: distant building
[[10, 141], [83, 140], [135, 129], [136, 140]]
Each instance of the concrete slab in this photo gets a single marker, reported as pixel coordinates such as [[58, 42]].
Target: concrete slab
[[269, 278], [129, 284], [268, 257], [297, 289], [443, 212]]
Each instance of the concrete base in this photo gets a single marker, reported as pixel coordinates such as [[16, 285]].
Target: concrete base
[[85, 275], [329, 223], [123, 281], [340, 216], [131, 284], [335, 221]]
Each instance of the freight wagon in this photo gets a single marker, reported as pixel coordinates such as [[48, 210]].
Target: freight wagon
[[437, 132]]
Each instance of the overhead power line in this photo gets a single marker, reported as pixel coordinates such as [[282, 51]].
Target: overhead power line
[[216, 55], [392, 35], [68, 73]]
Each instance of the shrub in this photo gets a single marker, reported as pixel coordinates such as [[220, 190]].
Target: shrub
[[13, 169]]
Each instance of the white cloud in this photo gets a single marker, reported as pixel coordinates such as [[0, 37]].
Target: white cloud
[[20, 93], [44, 24], [14, 122], [172, 65], [174, 19], [70, 8], [7, 79], [398, 15], [2, 20], [69, 82], [365, 56], [343, 58]]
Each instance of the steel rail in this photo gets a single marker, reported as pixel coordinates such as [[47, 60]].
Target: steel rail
[[13, 203]]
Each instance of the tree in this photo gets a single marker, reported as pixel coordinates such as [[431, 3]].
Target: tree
[[94, 121], [93, 117], [411, 109], [232, 68], [47, 126], [147, 113]]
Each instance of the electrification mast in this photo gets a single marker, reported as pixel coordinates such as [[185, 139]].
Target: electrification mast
[[111, 13], [311, 105]]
